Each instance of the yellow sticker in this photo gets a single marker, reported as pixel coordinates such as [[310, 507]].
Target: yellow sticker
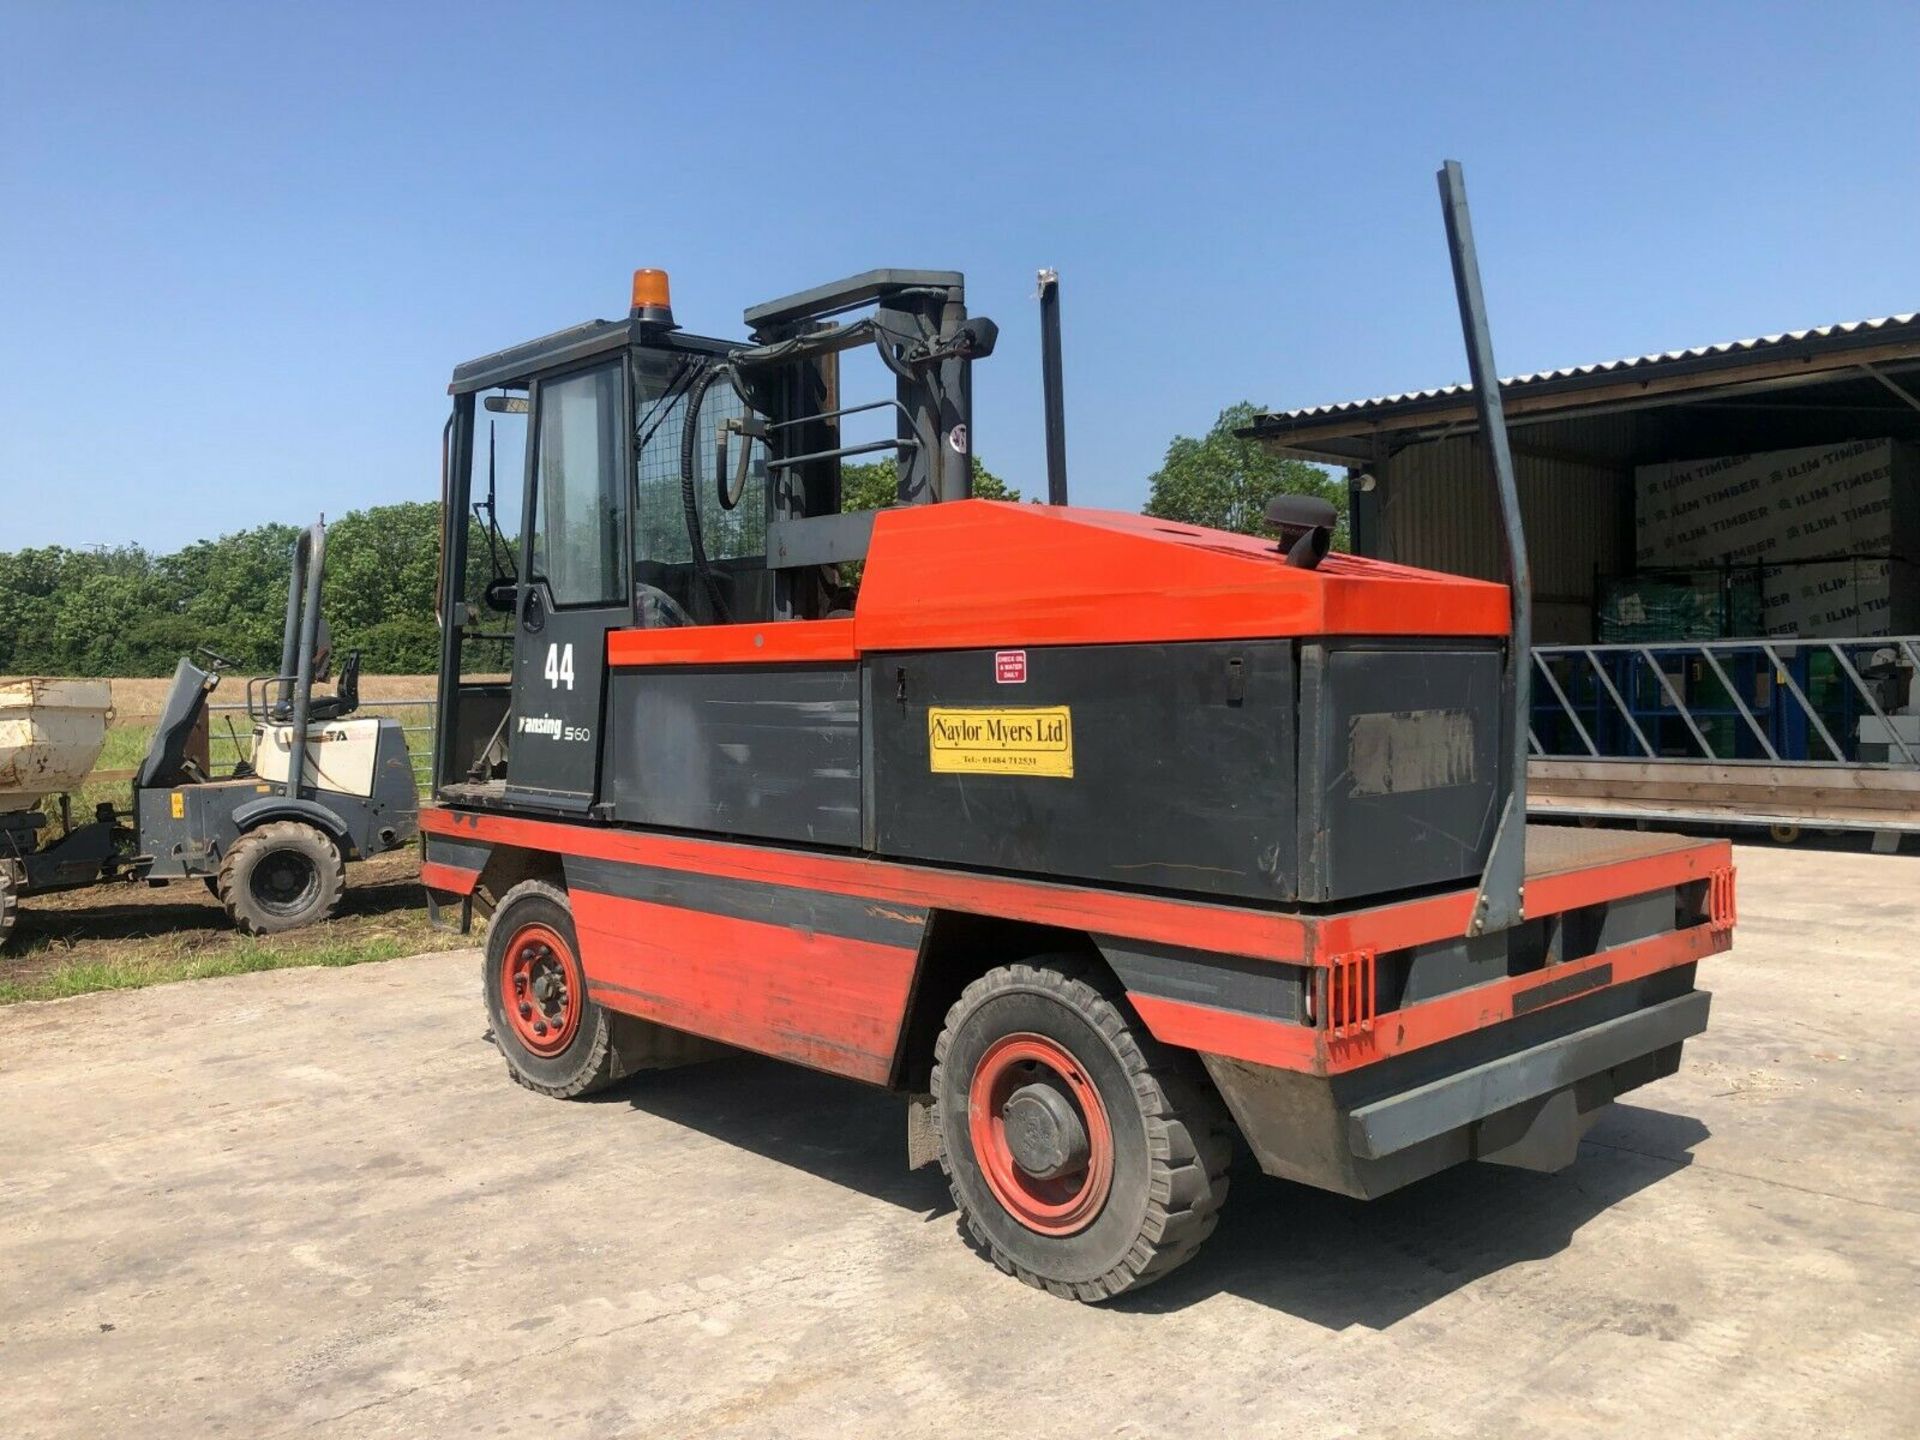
[[179, 806], [1001, 741]]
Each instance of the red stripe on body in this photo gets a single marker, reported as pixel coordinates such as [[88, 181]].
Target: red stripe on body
[[790, 642], [822, 1000], [1233, 1033], [1406, 923], [1292, 1046], [1229, 930], [436, 876]]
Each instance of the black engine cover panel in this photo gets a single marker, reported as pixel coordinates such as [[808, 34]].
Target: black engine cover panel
[[1167, 766]]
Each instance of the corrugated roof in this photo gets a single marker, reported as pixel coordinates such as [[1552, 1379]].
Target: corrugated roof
[[1819, 337]]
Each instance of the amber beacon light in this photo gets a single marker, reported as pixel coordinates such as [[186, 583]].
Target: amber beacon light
[[651, 302]]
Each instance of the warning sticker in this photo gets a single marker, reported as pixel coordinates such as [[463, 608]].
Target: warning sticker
[[1000, 741]]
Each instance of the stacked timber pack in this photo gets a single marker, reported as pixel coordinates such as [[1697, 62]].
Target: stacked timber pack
[[1833, 532]]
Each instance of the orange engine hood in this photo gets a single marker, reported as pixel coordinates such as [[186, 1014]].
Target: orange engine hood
[[984, 573]]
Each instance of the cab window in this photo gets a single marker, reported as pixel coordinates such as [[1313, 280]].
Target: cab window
[[738, 586], [578, 538]]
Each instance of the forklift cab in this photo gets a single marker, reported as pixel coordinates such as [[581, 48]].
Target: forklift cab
[[627, 475]]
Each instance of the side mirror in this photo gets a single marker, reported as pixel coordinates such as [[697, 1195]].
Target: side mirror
[[973, 339], [502, 595]]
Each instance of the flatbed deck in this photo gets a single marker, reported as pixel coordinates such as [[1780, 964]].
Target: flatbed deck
[[1557, 849]]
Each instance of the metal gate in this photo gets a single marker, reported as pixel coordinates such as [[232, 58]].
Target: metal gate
[[1820, 733]]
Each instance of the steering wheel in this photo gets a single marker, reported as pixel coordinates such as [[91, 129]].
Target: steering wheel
[[220, 662], [659, 603]]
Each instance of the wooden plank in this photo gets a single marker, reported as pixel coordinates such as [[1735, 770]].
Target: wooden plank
[[1833, 796]]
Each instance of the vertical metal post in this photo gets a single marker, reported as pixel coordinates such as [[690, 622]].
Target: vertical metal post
[[953, 433], [278, 693], [314, 542], [1051, 387], [455, 495], [1501, 902]]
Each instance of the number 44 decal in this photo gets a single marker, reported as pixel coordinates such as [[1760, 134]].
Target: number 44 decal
[[559, 667]]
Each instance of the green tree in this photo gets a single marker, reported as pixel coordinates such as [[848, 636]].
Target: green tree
[[232, 592], [870, 487], [30, 586], [1224, 482], [383, 566]]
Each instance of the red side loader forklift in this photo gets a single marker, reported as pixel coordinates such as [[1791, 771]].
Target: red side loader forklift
[[1109, 843]]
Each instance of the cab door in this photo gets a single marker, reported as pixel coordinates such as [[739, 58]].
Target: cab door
[[573, 585]]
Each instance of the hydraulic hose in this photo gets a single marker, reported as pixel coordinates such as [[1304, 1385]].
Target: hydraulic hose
[[689, 498]]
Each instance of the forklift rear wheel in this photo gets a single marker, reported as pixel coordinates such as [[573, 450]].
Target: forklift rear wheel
[[1085, 1157], [280, 877], [556, 1039]]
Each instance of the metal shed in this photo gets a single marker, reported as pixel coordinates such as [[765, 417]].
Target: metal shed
[[1418, 478]]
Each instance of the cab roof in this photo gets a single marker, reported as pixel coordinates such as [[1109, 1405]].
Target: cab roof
[[574, 344]]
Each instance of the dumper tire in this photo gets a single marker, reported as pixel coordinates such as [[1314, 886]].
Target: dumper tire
[[282, 876], [1157, 1142], [9, 907], [531, 948]]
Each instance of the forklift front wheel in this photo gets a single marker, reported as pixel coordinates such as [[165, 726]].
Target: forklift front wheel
[[280, 877], [556, 1039], [1085, 1157]]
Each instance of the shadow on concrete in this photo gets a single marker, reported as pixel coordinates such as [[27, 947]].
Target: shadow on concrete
[[838, 1130], [1338, 1262], [1320, 1257]]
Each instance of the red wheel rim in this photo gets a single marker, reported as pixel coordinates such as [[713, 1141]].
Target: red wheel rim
[[1060, 1203], [541, 990]]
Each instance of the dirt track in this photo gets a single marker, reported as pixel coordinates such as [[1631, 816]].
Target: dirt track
[[114, 922], [309, 1201]]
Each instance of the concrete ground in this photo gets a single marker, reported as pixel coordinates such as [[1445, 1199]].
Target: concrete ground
[[310, 1201]]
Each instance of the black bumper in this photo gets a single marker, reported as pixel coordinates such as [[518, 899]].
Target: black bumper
[[1520, 1094]]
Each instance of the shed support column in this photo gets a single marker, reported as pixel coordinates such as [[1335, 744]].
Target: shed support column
[[1366, 495]]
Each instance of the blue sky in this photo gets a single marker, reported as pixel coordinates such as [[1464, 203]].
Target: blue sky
[[244, 246]]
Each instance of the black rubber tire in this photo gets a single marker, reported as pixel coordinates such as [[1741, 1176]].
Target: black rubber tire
[[246, 863], [9, 907], [595, 1058], [1172, 1140]]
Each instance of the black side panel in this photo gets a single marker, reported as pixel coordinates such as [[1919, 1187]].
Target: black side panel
[[1399, 767], [1201, 977], [1180, 761], [771, 752], [462, 854]]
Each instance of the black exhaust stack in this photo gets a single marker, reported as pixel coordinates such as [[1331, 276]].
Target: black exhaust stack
[[1501, 903], [1050, 385]]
